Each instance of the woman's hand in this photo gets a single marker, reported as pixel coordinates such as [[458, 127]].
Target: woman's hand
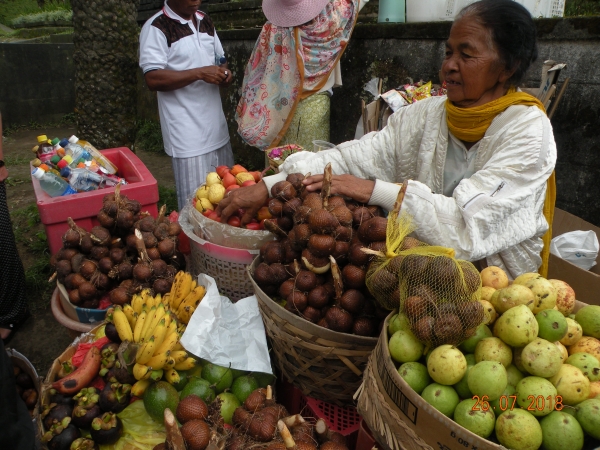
[[214, 74], [356, 188], [250, 199]]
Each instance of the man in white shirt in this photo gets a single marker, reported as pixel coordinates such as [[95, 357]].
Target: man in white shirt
[[182, 58]]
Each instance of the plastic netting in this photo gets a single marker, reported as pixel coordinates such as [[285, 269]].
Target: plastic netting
[[438, 293]]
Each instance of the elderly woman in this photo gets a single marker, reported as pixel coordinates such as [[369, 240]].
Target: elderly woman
[[476, 166]]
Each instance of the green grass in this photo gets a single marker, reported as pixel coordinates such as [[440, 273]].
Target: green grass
[[30, 234], [168, 196], [43, 17], [582, 8], [11, 9], [149, 137], [16, 160]]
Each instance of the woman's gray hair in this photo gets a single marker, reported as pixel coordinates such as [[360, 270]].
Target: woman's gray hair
[[512, 32]]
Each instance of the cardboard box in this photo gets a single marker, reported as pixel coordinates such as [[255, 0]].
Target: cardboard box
[[585, 283]]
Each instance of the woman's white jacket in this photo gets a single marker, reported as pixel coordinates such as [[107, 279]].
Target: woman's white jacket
[[495, 215]]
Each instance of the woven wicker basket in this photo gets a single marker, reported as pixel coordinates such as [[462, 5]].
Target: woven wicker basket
[[323, 364], [399, 418], [51, 376]]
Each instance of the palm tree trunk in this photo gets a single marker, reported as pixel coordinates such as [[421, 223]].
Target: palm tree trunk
[[105, 58]]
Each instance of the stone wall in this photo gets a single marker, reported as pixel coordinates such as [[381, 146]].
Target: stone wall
[[36, 82]]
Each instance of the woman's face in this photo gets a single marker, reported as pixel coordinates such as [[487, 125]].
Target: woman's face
[[472, 70]]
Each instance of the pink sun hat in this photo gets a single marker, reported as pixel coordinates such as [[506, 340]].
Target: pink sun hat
[[291, 13]]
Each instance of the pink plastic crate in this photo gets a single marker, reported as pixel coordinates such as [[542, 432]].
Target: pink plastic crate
[[365, 440], [84, 207], [344, 420]]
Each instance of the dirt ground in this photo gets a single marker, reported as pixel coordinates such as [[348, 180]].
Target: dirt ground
[[41, 338]]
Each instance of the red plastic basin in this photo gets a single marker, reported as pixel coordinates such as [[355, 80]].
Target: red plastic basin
[[83, 207]]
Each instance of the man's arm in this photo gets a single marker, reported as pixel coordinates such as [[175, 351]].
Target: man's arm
[[170, 80]]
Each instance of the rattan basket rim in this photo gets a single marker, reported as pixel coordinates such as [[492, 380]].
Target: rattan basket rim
[[300, 326]]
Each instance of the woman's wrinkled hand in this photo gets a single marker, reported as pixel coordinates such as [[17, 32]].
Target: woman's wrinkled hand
[[250, 199], [356, 188], [214, 74]]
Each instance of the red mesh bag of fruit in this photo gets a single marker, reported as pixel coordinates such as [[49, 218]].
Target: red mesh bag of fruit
[[438, 293]]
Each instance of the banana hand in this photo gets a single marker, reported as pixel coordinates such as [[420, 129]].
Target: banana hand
[[122, 325]]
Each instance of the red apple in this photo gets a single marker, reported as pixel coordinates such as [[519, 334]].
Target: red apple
[[222, 170], [257, 176], [248, 183], [234, 221], [237, 169], [263, 213], [232, 187], [228, 179]]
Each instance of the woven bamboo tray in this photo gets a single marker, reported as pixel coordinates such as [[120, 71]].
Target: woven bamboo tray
[[323, 364]]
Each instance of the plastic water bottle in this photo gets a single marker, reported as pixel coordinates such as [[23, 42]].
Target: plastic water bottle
[[82, 180], [45, 150], [52, 184], [220, 59], [102, 160], [74, 150]]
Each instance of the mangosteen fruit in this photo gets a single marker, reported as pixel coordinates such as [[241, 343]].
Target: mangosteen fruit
[[115, 397], [61, 435], [86, 408], [58, 398], [106, 429], [55, 413], [84, 444], [121, 374], [111, 333]]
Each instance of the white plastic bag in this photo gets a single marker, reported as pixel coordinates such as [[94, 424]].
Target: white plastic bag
[[227, 334], [577, 247]]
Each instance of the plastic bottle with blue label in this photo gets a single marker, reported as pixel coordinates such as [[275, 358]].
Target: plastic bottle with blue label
[[52, 184]]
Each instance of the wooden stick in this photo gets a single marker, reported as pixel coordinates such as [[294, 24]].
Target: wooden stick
[[558, 98], [174, 438], [364, 117]]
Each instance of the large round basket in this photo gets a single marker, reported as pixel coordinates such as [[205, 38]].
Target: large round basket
[[399, 418], [323, 364]]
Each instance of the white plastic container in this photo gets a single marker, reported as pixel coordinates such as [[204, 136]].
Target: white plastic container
[[446, 10]]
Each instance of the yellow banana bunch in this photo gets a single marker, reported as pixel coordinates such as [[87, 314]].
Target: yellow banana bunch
[[189, 304], [156, 323], [182, 285]]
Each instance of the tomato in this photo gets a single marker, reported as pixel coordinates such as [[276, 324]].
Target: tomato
[[208, 213], [234, 221], [253, 226]]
